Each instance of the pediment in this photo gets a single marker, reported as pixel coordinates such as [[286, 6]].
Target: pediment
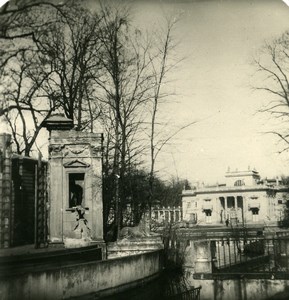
[[76, 164]]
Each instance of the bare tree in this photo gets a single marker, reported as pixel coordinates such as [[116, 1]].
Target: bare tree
[[161, 66], [96, 69], [55, 71], [132, 92], [18, 27], [163, 61], [73, 49], [273, 70], [13, 13], [24, 106], [125, 85]]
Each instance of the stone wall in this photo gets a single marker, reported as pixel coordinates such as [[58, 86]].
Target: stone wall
[[127, 247], [96, 278]]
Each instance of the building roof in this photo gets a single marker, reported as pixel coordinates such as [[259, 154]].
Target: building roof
[[252, 173], [274, 185], [58, 122], [234, 189]]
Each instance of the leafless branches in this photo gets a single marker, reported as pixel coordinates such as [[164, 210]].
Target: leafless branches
[[58, 67], [273, 68], [23, 106], [99, 70]]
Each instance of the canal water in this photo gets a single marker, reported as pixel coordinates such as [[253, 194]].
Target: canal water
[[149, 291], [167, 284]]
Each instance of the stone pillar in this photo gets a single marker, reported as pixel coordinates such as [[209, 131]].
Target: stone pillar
[[233, 214], [5, 191], [270, 236], [167, 215], [226, 207], [242, 246], [203, 258], [239, 209], [244, 210], [75, 183], [172, 213], [156, 215], [189, 259]]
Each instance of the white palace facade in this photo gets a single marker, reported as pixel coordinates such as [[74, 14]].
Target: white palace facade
[[243, 199]]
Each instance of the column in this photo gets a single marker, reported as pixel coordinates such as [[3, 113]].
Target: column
[[156, 215], [6, 192], [202, 256], [241, 209], [189, 260], [234, 215], [244, 210]]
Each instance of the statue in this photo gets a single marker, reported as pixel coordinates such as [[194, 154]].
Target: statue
[[81, 222], [139, 231]]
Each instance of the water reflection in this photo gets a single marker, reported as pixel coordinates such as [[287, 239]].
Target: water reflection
[[170, 283]]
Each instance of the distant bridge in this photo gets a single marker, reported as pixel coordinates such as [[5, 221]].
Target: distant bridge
[[228, 251]]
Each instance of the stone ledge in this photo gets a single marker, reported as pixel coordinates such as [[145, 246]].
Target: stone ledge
[[133, 246]]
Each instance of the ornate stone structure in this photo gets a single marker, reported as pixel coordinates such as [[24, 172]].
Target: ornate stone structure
[[75, 184], [162, 215], [244, 199], [135, 240]]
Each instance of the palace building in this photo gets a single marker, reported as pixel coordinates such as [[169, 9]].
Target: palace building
[[243, 199]]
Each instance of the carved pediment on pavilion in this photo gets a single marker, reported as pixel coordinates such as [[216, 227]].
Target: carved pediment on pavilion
[[76, 150], [76, 164]]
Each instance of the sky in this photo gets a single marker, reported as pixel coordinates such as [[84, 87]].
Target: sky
[[214, 87]]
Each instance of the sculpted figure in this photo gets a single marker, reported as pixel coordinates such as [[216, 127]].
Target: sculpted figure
[[81, 225], [139, 231]]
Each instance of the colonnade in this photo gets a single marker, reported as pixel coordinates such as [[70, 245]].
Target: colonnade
[[232, 208], [167, 214]]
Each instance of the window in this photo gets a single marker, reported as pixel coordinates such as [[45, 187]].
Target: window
[[239, 182], [280, 202], [208, 213], [76, 189], [255, 213], [208, 216], [193, 218]]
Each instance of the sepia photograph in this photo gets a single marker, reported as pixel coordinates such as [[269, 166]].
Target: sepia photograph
[[144, 149]]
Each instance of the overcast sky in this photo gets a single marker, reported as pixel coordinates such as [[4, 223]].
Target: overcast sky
[[213, 84], [219, 39]]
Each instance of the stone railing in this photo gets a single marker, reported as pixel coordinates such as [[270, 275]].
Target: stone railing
[[93, 279]]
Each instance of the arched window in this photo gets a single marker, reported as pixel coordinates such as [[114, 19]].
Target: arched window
[[239, 182]]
